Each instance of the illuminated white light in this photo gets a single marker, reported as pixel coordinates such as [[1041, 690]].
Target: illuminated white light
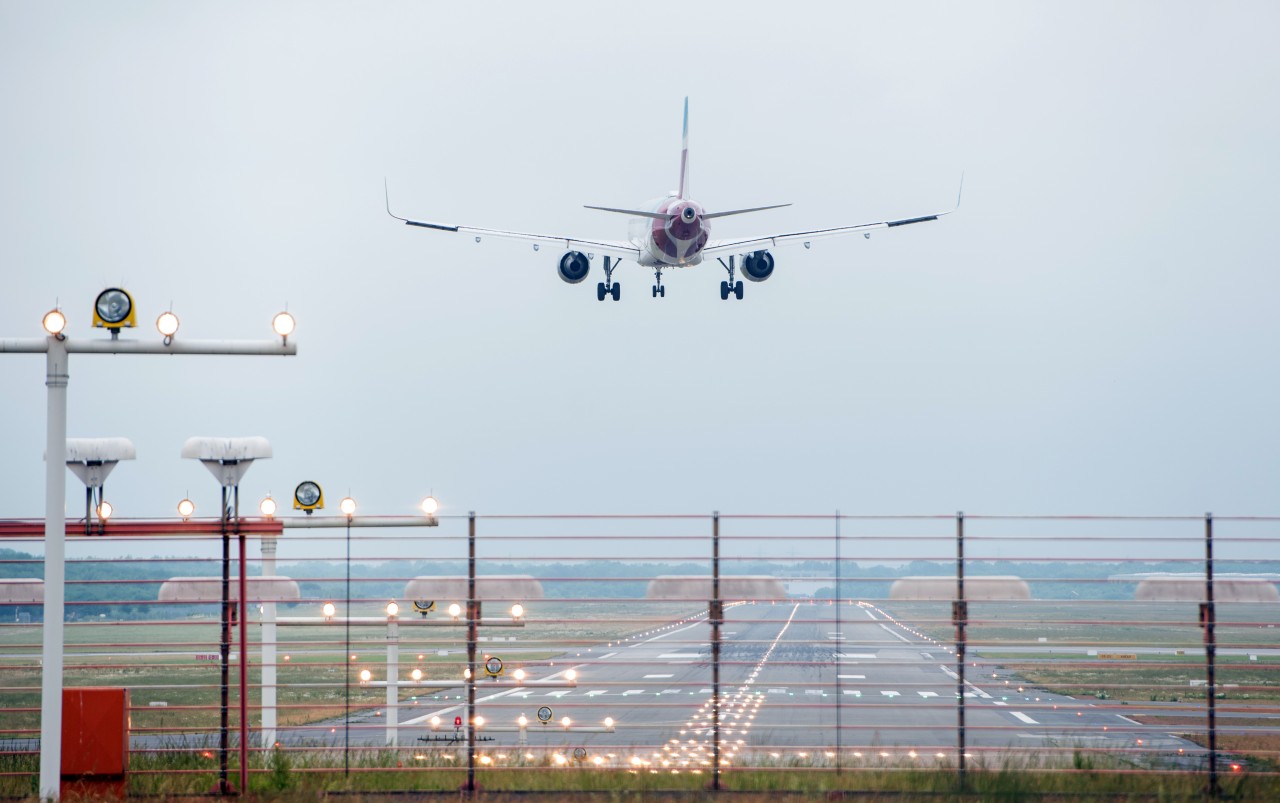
[[517, 611], [393, 608], [566, 722], [430, 505], [167, 324], [455, 610], [365, 675], [347, 506], [283, 324], [416, 674], [570, 675], [522, 721], [479, 720], [519, 674], [185, 508], [267, 507], [54, 322], [329, 610], [608, 722], [435, 722], [105, 510]]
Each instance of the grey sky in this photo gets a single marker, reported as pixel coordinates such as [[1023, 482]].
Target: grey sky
[[1094, 331]]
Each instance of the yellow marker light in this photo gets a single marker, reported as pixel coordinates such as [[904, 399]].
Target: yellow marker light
[[114, 310]]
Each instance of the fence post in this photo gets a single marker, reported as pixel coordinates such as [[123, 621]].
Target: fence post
[[472, 615], [716, 611], [839, 600], [960, 615], [1207, 618]]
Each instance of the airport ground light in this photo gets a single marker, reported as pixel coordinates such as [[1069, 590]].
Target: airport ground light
[[113, 310]]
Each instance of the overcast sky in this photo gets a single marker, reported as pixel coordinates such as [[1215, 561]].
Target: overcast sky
[[1093, 332]]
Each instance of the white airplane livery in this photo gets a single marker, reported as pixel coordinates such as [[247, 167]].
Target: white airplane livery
[[672, 232]]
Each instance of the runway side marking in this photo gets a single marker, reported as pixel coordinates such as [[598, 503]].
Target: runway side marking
[[596, 692], [610, 655], [852, 677], [1130, 721], [672, 633], [890, 693], [681, 655], [648, 677], [1024, 718], [895, 634], [560, 693], [630, 692], [854, 692], [927, 694], [425, 717], [869, 614]]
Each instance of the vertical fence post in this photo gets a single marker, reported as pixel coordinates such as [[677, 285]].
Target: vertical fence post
[[346, 668], [960, 615], [1207, 619], [267, 738], [838, 599], [716, 611], [242, 610], [224, 650], [472, 615]]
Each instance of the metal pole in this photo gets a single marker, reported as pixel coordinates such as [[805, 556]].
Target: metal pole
[[267, 739], [472, 616], [244, 651], [55, 564], [835, 660], [346, 663], [224, 651], [1207, 620], [717, 611], [393, 682], [960, 615]]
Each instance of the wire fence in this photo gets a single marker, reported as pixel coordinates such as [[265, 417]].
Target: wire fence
[[663, 652]]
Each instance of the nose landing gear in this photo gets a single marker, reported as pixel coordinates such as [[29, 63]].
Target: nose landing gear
[[658, 289]]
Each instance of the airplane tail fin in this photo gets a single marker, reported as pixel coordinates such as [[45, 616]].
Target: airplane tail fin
[[684, 153]]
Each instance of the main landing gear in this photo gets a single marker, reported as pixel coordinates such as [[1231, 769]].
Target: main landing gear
[[608, 287], [729, 287], [658, 289]]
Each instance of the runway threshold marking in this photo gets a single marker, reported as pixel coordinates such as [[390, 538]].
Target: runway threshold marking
[[1024, 718]]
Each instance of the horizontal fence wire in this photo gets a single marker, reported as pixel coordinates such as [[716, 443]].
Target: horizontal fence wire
[[806, 652]]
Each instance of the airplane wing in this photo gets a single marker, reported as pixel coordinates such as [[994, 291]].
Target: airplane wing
[[744, 245], [614, 248]]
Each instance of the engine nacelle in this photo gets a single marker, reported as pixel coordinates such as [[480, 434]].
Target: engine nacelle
[[758, 266], [574, 267]]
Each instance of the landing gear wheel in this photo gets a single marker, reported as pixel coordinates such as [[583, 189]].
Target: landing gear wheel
[[662, 291], [617, 291], [600, 291], [655, 291], [724, 291], [737, 291]]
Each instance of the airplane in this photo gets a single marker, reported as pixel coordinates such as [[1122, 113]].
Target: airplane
[[672, 232]]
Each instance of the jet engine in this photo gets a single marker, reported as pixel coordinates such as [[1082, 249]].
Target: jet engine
[[758, 266], [574, 266]]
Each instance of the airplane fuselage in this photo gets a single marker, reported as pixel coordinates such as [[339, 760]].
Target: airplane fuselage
[[675, 241]]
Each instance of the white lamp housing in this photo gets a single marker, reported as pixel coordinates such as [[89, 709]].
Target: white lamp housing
[[91, 459], [227, 458]]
